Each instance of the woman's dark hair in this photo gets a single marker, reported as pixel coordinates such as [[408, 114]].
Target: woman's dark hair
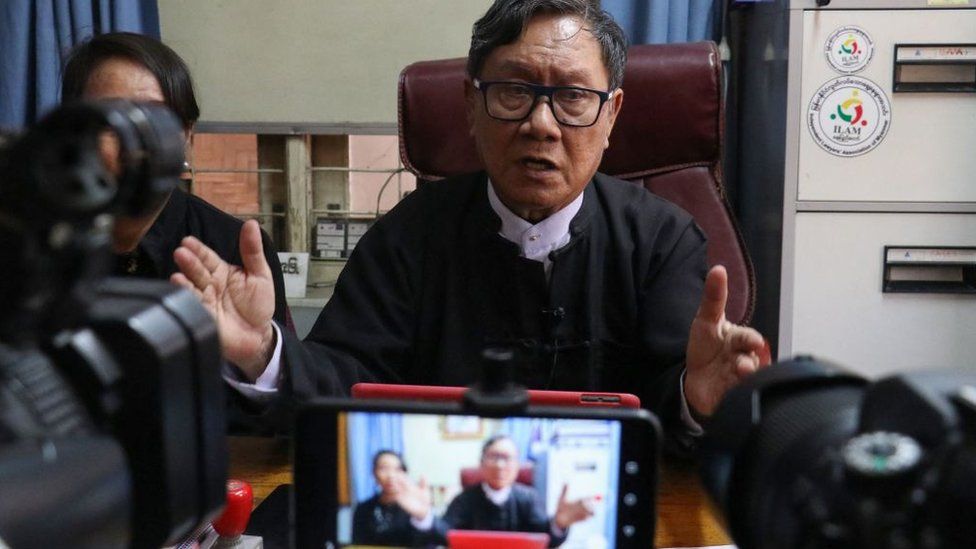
[[505, 20], [168, 68], [381, 453]]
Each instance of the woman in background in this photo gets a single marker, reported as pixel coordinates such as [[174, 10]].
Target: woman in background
[[131, 66], [380, 520]]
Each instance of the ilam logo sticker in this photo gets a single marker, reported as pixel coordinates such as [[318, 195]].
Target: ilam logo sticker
[[849, 116], [849, 49]]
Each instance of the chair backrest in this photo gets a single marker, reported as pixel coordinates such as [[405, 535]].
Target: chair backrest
[[668, 138], [472, 475]]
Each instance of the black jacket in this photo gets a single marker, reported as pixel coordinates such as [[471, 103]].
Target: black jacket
[[472, 510], [432, 283], [376, 524]]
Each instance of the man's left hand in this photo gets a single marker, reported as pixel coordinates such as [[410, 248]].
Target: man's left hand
[[720, 353], [241, 299], [414, 499], [569, 513]]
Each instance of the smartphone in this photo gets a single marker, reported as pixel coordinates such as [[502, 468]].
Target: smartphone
[[385, 473], [393, 391]]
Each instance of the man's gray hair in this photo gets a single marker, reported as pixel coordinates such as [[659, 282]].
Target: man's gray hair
[[505, 20], [494, 439]]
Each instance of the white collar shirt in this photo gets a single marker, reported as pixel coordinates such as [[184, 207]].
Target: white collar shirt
[[535, 241], [498, 497]]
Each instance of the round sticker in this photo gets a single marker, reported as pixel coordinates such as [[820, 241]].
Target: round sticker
[[849, 116], [849, 49]]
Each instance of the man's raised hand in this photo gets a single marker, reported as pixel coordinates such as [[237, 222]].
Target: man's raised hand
[[719, 353], [241, 300], [569, 512], [414, 499]]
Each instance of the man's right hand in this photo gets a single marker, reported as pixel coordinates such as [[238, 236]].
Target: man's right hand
[[413, 498], [569, 512], [720, 354], [241, 300]]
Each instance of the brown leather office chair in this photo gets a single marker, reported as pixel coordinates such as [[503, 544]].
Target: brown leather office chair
[[668, 138]]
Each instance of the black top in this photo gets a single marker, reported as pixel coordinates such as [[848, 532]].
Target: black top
[[432, 283], [374, 523], [521, 512], [188, 215]]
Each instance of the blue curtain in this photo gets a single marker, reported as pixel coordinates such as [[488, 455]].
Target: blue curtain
[[35, 34], [369, 433], [664, 21]]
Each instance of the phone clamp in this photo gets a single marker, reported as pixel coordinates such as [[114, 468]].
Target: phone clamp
[[495, 393]]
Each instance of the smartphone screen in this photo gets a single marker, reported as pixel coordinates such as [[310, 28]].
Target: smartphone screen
[[412, 479]]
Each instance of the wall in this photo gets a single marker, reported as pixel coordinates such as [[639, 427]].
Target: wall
[[376, 152], [310, 61], [233, 192]]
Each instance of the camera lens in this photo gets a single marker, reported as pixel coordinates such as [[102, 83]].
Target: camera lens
[[761, 456]]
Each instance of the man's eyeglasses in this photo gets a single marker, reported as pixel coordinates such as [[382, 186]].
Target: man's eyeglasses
[[492, 458], [570, 105]]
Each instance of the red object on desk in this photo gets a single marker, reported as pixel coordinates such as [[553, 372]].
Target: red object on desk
[[240, 499], [435, 393], [480, 539]]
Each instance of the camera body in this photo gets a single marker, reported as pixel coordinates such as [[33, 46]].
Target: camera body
[[112, 429], [804, 455]]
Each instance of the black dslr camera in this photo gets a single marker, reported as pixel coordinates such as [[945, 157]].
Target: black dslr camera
[[112, 429], [805, 456]]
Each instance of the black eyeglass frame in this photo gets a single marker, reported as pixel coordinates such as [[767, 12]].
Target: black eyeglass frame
[[541, 91]]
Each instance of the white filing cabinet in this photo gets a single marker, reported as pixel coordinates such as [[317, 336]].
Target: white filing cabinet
[[879, 228]]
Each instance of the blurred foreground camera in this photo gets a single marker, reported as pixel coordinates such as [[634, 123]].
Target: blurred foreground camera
[[803, 455], [111, 413]]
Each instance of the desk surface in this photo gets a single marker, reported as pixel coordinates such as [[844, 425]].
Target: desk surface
[[685, 517]]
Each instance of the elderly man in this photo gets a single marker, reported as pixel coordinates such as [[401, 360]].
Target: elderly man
[[599, 284], [497, 504]]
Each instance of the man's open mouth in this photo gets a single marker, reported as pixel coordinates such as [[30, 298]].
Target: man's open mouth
[[536, 163]]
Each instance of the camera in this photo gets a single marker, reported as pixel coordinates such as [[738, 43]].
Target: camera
[[804, 455], [112, 430]]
